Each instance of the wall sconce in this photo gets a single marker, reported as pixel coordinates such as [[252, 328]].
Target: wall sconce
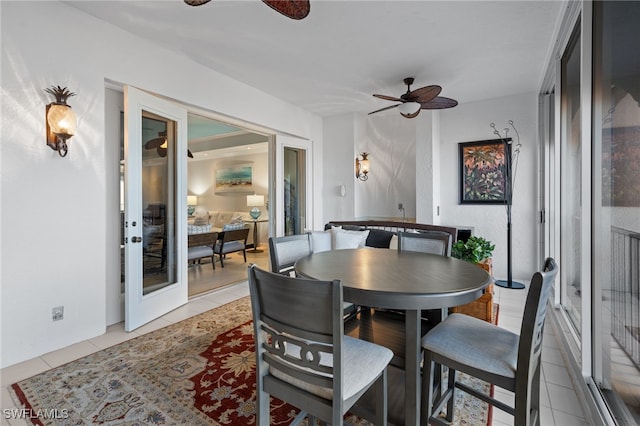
[[362, 167], [61, 120], [255, 201], [192, 201]]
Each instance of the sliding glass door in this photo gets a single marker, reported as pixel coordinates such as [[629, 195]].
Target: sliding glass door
[[616, 139]]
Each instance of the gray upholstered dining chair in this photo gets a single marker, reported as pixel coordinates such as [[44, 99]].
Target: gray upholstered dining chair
[[491, 353], [285, 251], [435, 242], [230, 242], [201, 245], [303, 356]]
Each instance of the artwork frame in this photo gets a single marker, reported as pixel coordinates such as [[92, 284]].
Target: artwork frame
[[235, 178], [484, 167]]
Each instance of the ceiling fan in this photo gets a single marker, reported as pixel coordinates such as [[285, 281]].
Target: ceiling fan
[[413, 101], [160, 145], [294, 9]]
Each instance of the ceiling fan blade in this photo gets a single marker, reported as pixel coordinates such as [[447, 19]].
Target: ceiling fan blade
[[415, 114], [384, 109], [154, 143], [162, 152], [439, 103], [423, 94], [294, 9], [196, 2], [388, 98]]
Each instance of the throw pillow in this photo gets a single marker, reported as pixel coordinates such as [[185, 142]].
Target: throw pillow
[[320, 241], [343, 239], [379, 239], [393, 244], [233, 226]]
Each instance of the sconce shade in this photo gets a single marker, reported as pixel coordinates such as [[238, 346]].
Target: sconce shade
[[362, 167], [409, 108], [192, 200], [62, 120]]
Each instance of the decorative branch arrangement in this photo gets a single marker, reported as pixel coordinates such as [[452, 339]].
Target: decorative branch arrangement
[[510, 174]]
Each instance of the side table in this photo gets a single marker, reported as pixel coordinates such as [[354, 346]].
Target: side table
[[255, 248]]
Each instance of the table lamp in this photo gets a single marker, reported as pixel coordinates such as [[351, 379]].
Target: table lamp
[[255, 201], [192, 200]]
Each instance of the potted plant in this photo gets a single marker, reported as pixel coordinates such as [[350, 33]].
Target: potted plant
[[475, 250]]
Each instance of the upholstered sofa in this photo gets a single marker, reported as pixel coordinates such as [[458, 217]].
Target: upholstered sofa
[[218, 221], [383, 234]]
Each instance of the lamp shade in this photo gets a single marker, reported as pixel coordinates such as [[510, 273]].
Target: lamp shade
[[192, 200], [409, 108], [255, 200]]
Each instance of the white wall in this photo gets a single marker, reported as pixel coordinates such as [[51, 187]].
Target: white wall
[[390, 141], [55, 211], [415, 161], [470, 122], [339, 162]]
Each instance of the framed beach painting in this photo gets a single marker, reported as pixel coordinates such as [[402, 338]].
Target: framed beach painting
[[236, 178], [483, 171]]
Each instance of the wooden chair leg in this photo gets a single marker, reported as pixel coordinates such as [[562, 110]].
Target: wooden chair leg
[[427, 389], [213, 262], [452, 387], [381, 400]]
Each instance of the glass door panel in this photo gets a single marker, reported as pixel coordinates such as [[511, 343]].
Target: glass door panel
[[616, 123], [294, 190], [571, 182], [158, 203]]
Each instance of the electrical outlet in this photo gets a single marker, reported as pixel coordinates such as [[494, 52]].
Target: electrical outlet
[[57, 313], [400, 206]]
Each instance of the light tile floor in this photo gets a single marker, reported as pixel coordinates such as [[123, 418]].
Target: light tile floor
[[560, 403]]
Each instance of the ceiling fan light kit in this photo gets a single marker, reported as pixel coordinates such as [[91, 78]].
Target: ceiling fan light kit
[[409, 108], [413, 101]]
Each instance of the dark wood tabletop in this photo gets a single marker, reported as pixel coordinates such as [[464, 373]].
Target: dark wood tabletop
[[397, 280]]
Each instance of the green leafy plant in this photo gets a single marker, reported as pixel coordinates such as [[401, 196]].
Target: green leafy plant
[[475, 250]]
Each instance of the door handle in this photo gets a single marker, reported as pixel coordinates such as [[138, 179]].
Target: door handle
[[136, 239]]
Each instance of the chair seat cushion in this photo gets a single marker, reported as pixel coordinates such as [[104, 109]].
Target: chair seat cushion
[[475, 343], [199, 251], [230, 247], [363, 362]]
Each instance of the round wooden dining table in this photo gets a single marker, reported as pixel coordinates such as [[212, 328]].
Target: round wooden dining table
[[407, 281]]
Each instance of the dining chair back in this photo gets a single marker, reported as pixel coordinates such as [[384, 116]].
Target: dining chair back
[[302, 355], [493, 354], [201, 245], [436, 242], [285, 251]]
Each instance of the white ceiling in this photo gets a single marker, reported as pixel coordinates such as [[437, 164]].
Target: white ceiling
[[333, 61]]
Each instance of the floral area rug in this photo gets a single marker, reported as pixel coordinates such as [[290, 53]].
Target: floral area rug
[[200, 371]]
